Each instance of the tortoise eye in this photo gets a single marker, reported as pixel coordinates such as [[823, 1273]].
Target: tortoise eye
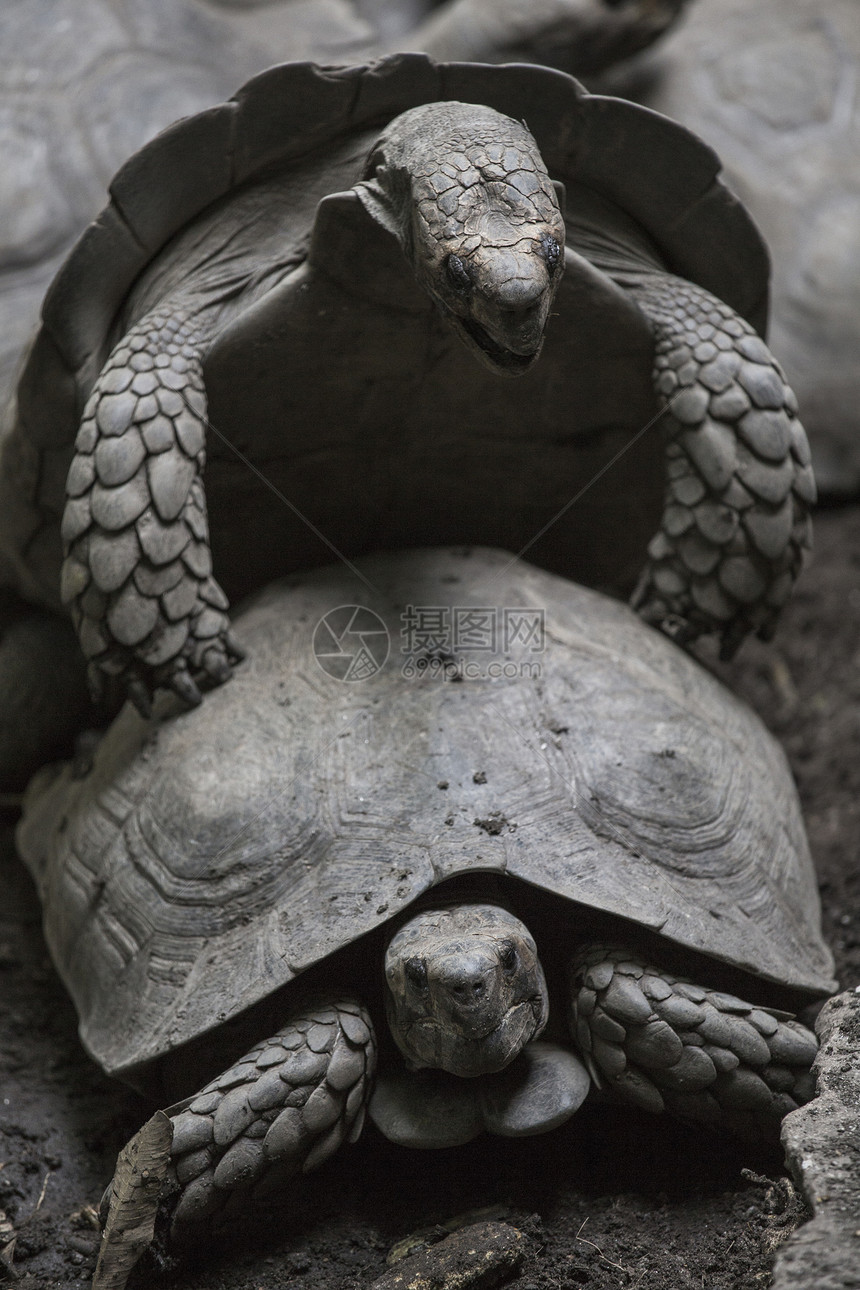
[[508, 957], [458, 274], [416, 973], [551, 252]]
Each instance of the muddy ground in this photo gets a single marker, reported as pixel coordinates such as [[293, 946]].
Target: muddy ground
[[613, 1199]]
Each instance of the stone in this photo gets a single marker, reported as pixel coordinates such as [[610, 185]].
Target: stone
[[478, 1257]]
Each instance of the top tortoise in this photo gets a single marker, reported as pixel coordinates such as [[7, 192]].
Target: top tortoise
[[309, 273]]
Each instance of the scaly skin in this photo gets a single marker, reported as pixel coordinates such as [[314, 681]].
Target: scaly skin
[[665, 1043], [137, 571], [736, 519], [280, 1111]]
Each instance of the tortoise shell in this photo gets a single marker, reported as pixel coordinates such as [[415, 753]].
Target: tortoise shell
[[209, 857], [637, 185]]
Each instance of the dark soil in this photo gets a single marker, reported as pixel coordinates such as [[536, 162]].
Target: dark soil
[[613, 1199]]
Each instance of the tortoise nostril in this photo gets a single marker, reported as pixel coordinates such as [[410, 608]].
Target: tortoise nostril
[[468, 989]]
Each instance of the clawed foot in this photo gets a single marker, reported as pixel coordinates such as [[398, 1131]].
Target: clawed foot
[[206, 659]]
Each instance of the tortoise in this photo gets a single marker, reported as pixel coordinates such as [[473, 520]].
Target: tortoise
[[305, 274], [770, 86], [228, 247], [539, 816]]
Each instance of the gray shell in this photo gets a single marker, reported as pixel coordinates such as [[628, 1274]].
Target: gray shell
[[211, 856], [641, 165], [772, 86]]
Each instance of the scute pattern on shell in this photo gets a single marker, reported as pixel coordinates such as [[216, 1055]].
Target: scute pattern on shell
[[238, 846]]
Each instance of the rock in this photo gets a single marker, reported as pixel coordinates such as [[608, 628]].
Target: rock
[[822, 1146], [476, 1258]]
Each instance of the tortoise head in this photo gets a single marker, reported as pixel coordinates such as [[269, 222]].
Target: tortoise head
[[466, 991], [466, 192]]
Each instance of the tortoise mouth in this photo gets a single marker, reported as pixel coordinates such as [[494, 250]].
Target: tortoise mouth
[[431, 1044], [495, 355]]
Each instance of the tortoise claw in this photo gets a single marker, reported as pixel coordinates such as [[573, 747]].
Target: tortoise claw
[[216, 665], [235, 651], [182, 683], [140, 697]]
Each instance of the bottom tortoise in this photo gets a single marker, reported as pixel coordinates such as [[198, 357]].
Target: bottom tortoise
[[580, 836]]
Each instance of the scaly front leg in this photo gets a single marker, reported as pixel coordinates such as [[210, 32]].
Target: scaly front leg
[[137, 572], [736, 518]]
